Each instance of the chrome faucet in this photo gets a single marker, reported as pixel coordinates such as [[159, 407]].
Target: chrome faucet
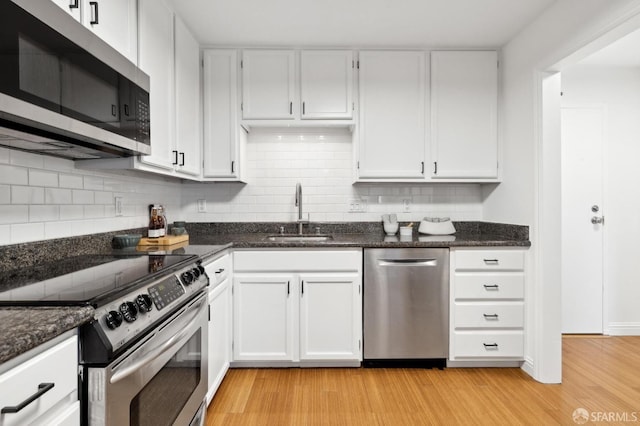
[[298, 204]]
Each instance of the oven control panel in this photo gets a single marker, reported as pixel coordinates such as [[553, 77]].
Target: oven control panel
[[166, 292], [127, 317]]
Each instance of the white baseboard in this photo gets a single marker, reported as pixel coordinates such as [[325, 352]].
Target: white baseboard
[[527, 367], [624, 329]]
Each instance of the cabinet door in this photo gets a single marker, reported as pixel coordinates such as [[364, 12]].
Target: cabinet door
[[391, 142], [326, 84], [115, 22], [70, 6], [219, 335], [464, 103], [187, 72], [221, 127], [263, 317], [156, 59], [268, 84], [330, 317]]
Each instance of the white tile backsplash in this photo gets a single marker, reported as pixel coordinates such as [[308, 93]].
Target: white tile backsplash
[[46, 197], [321, 161]]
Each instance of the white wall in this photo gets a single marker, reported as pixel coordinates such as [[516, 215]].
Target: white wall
[[321, 160], [561, 30], [615, 89], [46, 197]]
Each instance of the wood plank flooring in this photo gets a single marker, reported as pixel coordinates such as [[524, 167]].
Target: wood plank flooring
[[600, 374]]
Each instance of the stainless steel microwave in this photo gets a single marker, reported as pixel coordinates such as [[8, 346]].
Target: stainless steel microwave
[[64, 91]]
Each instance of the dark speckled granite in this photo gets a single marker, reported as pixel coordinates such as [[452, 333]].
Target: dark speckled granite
[[358, 234], [28, 254], [22, 329]]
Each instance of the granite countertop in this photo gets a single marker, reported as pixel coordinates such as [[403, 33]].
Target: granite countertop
[[469, 234], [24, 328]]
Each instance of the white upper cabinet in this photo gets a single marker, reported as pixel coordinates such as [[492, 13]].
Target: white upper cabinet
[[391, 132], [268, 84], [187, 73], [114, 21], [326, 84], [222, 132], [464, 103]]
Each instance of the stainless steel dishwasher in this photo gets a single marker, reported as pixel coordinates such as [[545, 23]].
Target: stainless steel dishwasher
[[406, 307]]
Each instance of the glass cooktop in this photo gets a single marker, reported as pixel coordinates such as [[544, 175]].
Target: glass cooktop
[[84, 279]]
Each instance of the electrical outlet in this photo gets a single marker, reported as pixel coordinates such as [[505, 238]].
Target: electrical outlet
[[406, 205], [118, 205], [357, 205], [202, 205]]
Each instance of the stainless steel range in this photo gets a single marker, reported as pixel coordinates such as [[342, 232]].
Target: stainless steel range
[[144, 355]]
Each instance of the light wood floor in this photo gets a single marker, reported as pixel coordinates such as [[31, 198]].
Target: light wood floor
[[600, 374]]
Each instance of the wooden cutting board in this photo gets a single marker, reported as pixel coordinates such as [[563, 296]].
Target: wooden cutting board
[[164, 241]]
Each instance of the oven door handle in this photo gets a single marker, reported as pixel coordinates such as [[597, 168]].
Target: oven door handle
[[155, 353]]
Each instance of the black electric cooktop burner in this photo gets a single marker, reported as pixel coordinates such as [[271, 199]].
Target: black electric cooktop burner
[[88, 279]]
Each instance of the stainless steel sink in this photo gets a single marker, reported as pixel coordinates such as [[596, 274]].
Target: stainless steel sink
[[297, 238]]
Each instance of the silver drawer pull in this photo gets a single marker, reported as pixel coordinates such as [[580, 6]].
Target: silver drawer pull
[[219, 271], [490, 316], [491, 261], [491, 346], [491, 286]]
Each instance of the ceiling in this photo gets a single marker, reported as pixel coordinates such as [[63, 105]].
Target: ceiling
[[624, 52], [358, 23]]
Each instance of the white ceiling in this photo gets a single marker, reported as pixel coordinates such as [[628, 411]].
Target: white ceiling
[[624, 52], [358, 23]]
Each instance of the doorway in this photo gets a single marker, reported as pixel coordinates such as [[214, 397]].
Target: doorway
[[582, 220]]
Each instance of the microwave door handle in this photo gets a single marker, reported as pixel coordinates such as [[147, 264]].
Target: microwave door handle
[[155, 353]]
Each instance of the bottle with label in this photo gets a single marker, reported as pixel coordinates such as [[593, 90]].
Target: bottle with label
[[156, 224]]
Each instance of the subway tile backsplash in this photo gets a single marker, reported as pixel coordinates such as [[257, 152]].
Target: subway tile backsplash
[[321, 160], [46, 197]]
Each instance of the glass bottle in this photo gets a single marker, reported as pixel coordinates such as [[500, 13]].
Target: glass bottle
[[163, 221], [155, 223]]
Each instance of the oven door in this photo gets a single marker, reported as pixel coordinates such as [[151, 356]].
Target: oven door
[[161, 381]]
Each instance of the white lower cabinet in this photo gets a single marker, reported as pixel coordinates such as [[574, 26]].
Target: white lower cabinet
[[487, 310], [49, 376], [297, 307], [220, 321]]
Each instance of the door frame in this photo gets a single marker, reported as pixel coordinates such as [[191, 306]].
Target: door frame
[[546, 340]]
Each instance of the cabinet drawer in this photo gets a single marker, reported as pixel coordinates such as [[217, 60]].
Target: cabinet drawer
[[57, 365], [488, 345], [489, 315], [505, 285], [218, 270], [298, 260], [489, 260]]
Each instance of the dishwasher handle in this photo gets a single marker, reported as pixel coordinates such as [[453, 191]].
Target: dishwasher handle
[[408, 262]]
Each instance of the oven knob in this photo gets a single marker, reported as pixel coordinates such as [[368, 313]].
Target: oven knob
[[201, 269], [113, 319], [187, 277], [196, 273], [129, 311], [144, 303]]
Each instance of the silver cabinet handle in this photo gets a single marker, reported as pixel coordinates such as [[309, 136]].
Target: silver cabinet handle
[[597, 220], [42, 389], [490, 346], [491, 261], [490, 316], [73, 4], [175, 157], [491, 286], [182, 159]]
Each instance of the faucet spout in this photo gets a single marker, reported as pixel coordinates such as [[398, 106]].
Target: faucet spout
[[298, 204]]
